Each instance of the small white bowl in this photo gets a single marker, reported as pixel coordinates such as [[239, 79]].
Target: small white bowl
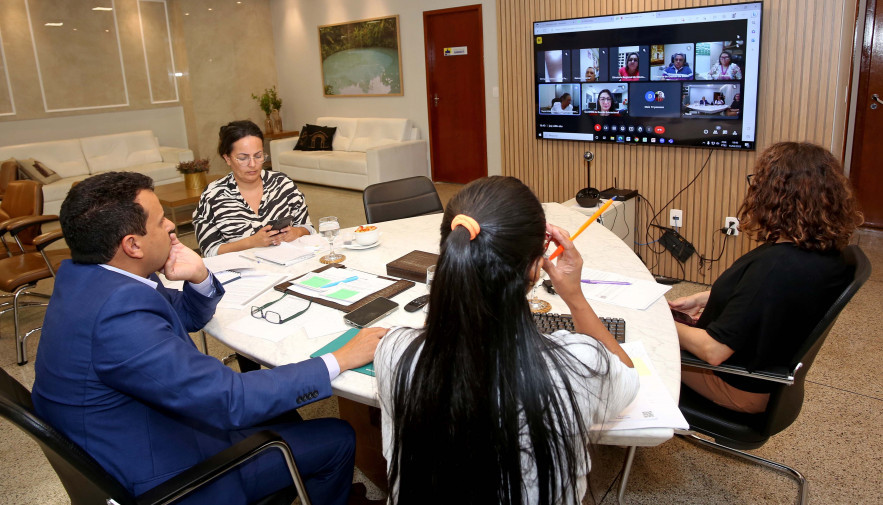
[[367, 237]]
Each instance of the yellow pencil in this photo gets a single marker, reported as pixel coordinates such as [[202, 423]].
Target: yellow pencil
[[583, 227]]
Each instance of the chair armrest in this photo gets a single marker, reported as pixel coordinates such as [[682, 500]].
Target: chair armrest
[[175, 154], [781, 375], [210, 469], [15, 225], [44, 239]]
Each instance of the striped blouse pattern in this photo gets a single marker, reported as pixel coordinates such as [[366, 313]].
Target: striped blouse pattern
[[223, 215]]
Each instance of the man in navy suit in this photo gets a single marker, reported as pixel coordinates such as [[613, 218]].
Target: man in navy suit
[[117, 372]]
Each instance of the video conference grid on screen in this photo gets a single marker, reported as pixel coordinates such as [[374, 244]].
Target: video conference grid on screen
[[683, 77]]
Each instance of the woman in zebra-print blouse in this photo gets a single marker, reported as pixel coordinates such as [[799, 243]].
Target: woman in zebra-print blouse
[[234, 212]]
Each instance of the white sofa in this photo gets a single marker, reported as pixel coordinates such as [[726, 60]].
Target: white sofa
[[78, 159], [365, 151]]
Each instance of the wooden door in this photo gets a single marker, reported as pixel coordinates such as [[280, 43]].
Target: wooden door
[[455, 93], [866, 169]]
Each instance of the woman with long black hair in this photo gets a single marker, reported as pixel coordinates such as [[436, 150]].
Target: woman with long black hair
[[479, 406]]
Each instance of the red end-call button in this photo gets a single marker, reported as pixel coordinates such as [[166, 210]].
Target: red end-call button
[[659, 130]]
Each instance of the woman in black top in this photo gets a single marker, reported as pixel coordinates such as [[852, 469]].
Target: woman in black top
[[760, 310]]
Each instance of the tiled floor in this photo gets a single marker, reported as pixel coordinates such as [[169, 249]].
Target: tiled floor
[[836, 442]]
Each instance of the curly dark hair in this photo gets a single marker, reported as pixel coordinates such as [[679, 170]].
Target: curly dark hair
[[799, 193]]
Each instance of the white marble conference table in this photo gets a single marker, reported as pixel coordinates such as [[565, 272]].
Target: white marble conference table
[[600, 248], [708, 109]]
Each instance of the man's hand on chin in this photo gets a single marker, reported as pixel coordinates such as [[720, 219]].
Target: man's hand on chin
[[184, 264]]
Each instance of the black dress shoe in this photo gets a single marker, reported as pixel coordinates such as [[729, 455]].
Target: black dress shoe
[[358, 496]]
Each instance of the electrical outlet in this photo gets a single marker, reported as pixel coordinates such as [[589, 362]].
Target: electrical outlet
[[676, 218], [731, 225]]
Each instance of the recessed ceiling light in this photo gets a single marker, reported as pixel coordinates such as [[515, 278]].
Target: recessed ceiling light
[[179, 74], [106, 31], [209, 8], [186, 13], [102, 8], [53, 24]]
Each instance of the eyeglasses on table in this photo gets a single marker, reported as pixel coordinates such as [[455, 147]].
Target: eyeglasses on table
[[272, 316]]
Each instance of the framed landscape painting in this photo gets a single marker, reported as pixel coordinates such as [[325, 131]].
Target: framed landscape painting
[[361, 58]]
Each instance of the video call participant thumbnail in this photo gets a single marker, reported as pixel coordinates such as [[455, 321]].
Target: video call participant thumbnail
[[554, 66], [719, 62], [657, 99], [631, 64], [605, 99], [588, 66], [558, 98], [679, 69]]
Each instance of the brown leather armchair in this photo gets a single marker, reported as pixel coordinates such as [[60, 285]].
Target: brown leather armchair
[[21, 272], [8, 173], [22, 198]]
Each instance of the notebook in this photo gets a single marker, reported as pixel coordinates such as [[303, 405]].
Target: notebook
[[283, 254], [337, 343]]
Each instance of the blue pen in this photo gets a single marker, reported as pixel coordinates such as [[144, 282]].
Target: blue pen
[[618, 283], [335, 283]]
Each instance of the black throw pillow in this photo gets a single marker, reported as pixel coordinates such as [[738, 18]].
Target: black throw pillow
[[315, 138]]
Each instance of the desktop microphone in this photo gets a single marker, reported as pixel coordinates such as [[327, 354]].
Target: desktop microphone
[[588, 196]]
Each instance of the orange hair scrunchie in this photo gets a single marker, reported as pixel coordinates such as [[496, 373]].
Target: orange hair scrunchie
[[466, 222]]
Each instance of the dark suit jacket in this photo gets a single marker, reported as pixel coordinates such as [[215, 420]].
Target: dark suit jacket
[[117, 372]]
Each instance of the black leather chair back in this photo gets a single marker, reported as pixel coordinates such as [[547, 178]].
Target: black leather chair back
[[789, 399], [410, 197], [86, 482], [750, 431]]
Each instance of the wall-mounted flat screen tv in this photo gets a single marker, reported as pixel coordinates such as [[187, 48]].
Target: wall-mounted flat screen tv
[[681, 77]]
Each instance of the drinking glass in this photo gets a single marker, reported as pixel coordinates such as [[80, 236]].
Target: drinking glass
[[538, 306], [430, 275], [329, 228]]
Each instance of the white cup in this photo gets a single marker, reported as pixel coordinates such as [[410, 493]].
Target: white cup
[[367, 237]]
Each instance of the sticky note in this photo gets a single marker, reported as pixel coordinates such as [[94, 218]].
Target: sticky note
[[315, 281], [342, 294]]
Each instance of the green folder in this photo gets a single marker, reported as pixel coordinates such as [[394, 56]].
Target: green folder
[[337, 343]]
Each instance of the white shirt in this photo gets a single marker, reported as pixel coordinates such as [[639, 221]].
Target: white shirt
[[600, 398]]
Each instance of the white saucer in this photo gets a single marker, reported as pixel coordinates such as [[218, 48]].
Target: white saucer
[[355, 246]]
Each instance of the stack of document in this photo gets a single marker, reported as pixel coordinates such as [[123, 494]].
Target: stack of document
[[240, 291], [284, 254], [616, 289], [653, 407]]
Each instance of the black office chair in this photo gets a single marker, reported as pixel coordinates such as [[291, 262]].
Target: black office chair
[[87, 483], [410, 197], [734, 432]]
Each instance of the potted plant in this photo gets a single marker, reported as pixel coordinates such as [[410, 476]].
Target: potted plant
[[270, 103], [194, 173]]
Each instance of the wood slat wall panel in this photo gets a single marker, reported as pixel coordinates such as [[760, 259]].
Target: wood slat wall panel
[[800, 85]]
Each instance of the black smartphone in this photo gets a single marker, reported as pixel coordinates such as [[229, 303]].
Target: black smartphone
[[680, 317], [417, 303], [370, 313], [280, 223]]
